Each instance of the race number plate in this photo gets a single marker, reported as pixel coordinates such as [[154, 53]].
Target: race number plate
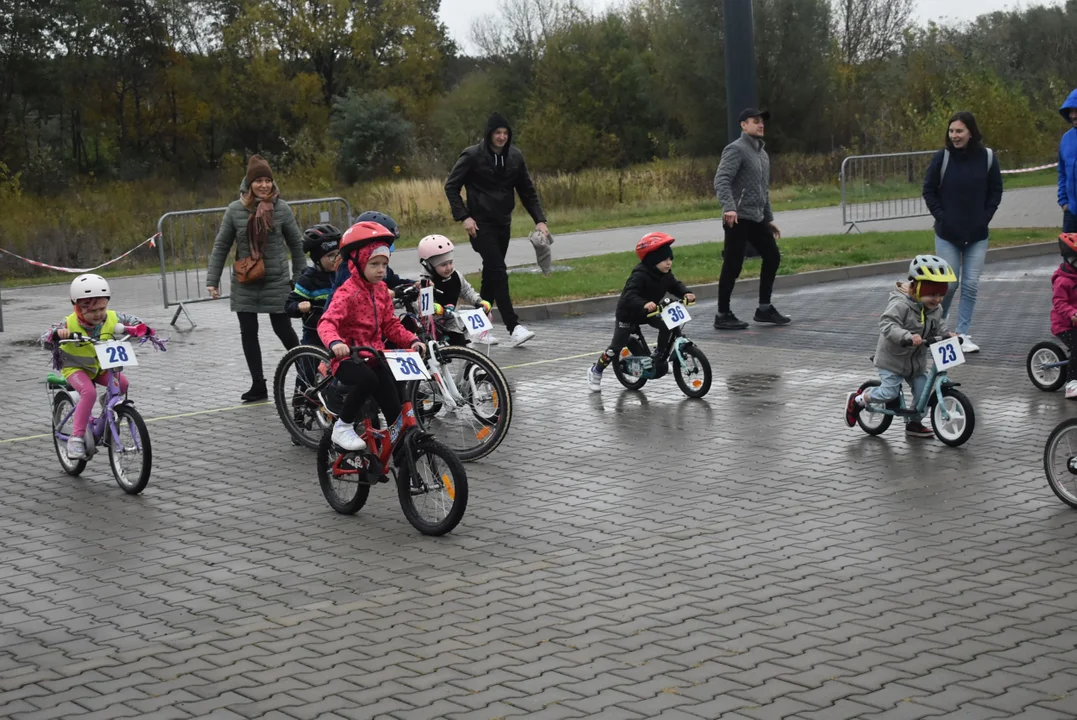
[[475, 321], [675, 315], [947, 354], [426, 301], [115, 353], [407, 365]]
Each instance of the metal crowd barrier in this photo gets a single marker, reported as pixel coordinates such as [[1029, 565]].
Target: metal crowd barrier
[[883, 187], [187, 238]]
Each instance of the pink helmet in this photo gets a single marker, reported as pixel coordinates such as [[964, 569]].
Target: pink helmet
[[433, 249]]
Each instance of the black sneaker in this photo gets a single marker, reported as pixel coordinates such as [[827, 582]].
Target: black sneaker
[[770, 315], [257, 392], [917, 430], [728, 321]]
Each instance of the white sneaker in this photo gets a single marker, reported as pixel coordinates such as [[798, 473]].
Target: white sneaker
[[487, 338], [344, 436], [1071, 391], [520, 335], [967, 346], [594, 379], [76, 448]]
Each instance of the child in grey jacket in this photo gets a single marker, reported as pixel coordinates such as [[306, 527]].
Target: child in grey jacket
[[913, 317]]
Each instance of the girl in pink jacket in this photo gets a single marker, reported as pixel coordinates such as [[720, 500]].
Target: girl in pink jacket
[[1064, 306], [361, 313]]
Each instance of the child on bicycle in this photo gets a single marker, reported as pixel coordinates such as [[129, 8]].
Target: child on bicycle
[[311, 292], [77, 362], [436, 257], [651, 280], [1064, 306], [362, 314], [913, 317]]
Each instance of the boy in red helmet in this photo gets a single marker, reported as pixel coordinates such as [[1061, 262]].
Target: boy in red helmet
[[361, 313], [1064, 306], [649, 282]]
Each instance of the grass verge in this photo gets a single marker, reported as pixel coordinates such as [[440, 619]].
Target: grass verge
[[697, 264]]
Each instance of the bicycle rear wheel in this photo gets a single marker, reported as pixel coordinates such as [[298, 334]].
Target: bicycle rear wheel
[[475, 428], [435, 500], [131, 458], [62, 420], [1043, 354], [345, 493], [631, 380], [1060, 461], [297, 382]]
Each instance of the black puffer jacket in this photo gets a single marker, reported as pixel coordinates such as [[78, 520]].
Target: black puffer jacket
[[491, 180], [646, 284]]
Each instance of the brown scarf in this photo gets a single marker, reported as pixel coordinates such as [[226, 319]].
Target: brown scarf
[[260, 223]]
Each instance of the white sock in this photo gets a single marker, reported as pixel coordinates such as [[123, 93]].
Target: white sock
[[862, 399]]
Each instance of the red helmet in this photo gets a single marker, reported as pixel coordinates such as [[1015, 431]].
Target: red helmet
[[1067, 244], [651, 242], [362, 233]]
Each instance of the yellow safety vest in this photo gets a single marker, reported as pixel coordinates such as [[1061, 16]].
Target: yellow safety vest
[[83, 356]]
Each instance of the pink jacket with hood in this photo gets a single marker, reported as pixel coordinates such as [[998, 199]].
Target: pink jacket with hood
[[1064, 304]]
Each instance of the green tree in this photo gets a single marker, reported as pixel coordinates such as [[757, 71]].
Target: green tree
[[374, 139]]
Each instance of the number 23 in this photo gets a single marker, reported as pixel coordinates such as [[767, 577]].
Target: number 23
[[947, 354]]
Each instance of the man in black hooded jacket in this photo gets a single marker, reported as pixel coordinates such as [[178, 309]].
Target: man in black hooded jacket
[[492, 172]]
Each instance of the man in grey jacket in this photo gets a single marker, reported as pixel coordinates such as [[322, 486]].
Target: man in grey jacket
[[742, 184]]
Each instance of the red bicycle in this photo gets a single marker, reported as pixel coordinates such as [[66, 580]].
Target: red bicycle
[[430, 479]]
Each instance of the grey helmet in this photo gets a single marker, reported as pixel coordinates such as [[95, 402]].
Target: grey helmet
[[931, 268]]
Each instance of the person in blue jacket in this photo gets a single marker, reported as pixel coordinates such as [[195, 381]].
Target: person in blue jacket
[[1067, 166], [393, 280], [963, 189]]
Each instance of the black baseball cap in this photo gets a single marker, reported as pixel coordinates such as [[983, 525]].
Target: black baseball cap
[[753, 112]]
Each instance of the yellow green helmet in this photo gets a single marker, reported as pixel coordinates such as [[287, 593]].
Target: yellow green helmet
[[931, 268]]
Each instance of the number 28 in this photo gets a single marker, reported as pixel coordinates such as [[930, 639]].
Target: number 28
[[117, 353]]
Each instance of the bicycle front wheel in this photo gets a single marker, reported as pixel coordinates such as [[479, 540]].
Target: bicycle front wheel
[[131, 458], [297, 382], [62, 421], [694, 377], [435, 499], [1037, 364], [1060, 461], [481, 419]]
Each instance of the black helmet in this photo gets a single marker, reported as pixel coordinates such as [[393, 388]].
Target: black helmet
[[382, 219], [320, 240]]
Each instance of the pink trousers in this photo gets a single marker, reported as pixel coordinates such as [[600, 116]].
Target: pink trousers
[[82, 382]]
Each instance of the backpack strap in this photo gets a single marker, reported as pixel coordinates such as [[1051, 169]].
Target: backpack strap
[[990, 158], [945, 162]]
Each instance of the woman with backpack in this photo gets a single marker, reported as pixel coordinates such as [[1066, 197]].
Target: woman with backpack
[[962, 189]]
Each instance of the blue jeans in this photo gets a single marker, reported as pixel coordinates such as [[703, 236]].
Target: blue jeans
[[891, 388], [968, 263], [1069, 222]]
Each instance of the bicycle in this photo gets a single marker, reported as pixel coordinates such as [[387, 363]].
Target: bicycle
[[1045, 363], [1060, 461], [421, 466], [117, 421], [691, 369], [952, 416], [299, 385], [466, 402]]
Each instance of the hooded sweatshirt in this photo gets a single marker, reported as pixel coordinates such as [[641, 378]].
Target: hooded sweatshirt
[[1067, 158], [646, 284], [361, 313], [1064, 300], [966, 198], [904, 317], [491, 178]]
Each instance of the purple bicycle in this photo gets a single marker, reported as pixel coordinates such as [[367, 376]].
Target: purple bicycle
[[119, 426]]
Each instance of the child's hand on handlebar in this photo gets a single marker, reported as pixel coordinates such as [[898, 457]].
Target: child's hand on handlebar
[[650, 307], [340, 350], [304, 307], [689, 298], [917, 340], [419, 347], [63, 333]]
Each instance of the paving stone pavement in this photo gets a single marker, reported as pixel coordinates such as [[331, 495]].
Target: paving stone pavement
[[624, 555]]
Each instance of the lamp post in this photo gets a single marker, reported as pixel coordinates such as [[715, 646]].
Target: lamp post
[[740, 90]]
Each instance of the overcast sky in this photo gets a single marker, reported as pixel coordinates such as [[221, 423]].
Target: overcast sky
[[458, 14]]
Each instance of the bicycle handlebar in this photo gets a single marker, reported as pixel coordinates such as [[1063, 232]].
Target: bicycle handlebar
[[666, 302]]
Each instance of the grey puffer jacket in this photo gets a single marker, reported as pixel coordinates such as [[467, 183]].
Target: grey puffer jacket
[[903, 318], [269, 294], [742, 182]]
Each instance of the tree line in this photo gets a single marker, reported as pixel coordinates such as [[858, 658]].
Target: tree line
[[131, 89]]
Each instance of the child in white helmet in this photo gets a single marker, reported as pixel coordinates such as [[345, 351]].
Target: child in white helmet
[[436, 257], [77, 362]]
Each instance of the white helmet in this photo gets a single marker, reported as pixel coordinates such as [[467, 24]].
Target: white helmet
[[433, 250], [89, 286]]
